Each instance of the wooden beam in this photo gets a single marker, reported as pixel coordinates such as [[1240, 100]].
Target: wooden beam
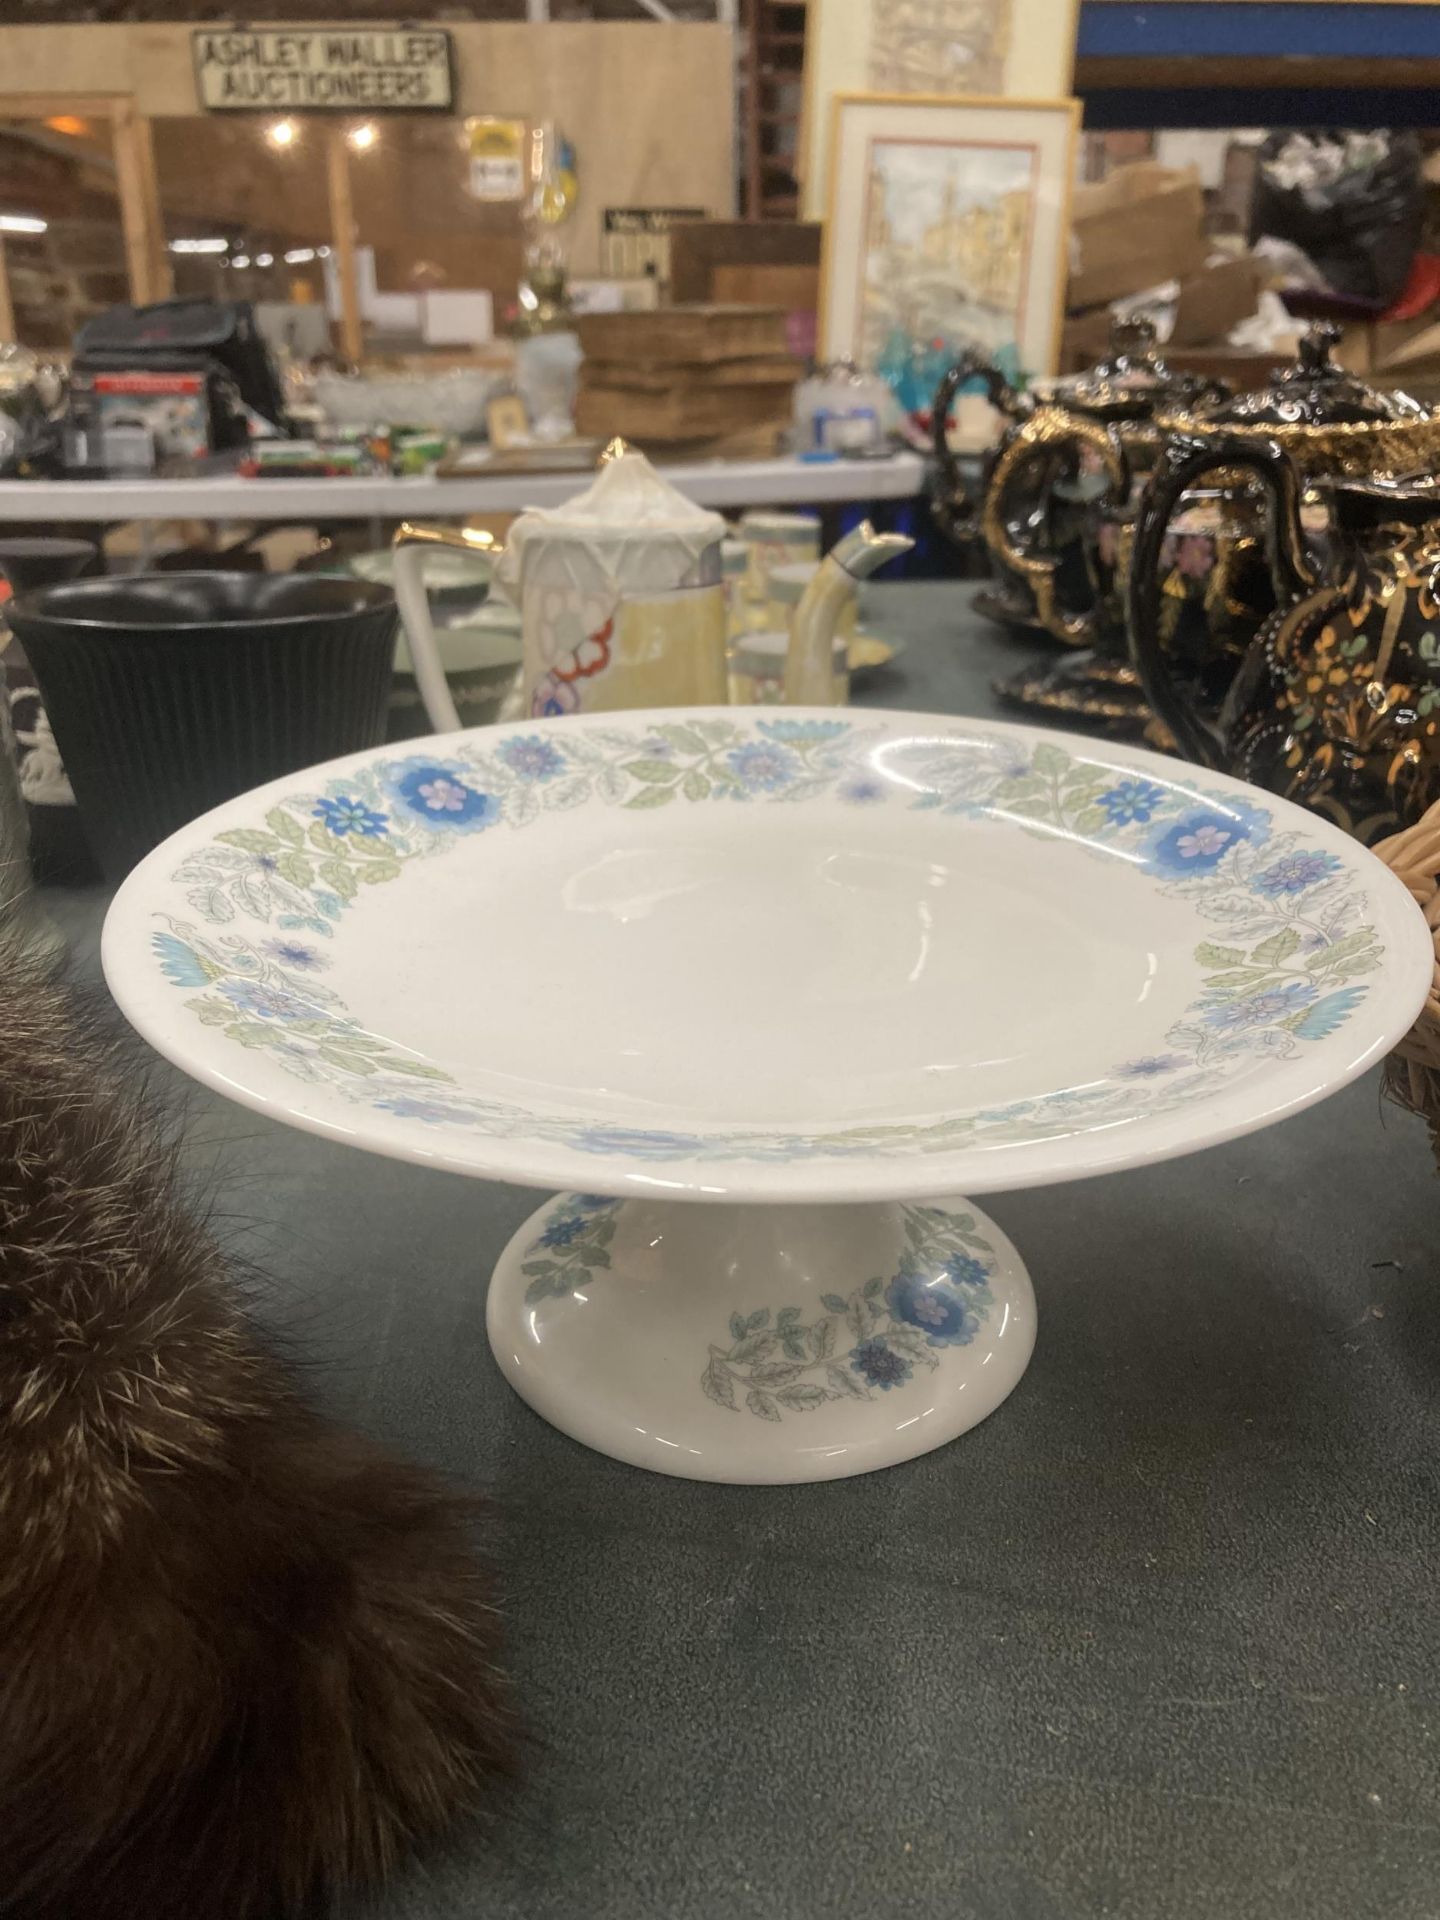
[[7, 305], [137, 217], [162, 279], [1098, 73], [342, 240]]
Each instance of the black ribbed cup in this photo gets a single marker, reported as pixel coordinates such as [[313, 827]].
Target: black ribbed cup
[[169, 693]]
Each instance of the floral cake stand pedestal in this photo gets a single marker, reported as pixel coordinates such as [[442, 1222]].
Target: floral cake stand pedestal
[[762, 993]]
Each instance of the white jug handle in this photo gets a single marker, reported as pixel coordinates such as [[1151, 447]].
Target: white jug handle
[[410, 546]]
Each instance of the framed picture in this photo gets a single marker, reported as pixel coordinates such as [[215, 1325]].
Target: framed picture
[[947, 227], [1023, 49]]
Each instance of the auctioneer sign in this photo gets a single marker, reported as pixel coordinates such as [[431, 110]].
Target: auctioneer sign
[[341, 69]]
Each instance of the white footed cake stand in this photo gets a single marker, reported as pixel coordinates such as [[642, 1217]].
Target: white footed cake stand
[[819, 972]]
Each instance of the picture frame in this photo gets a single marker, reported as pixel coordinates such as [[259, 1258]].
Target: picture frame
[[947, 226], [1020, 49]]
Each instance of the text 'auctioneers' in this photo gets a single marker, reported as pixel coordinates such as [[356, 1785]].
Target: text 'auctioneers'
[[333, 69]]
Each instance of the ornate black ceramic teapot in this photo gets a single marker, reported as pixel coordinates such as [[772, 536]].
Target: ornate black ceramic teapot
[[1337, 703], [1062, 476]]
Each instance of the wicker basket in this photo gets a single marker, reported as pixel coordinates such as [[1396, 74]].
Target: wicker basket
[[1412, 1073]]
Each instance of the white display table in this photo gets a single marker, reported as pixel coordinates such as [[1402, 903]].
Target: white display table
[[712, 483]]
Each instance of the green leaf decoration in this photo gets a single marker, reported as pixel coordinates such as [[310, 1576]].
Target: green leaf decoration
[[338, 876], [378, 872], [762, 1404], [832, 1302], [250, 840], [285, 827], [420, 1070], [1279, 947], [1241, 977], [685, 738], [250, 1033], [758, 1319], [718, 1384], [775, 1373], [802, 1397], [737, 1326], [843, 1381], [1052, 762], [657, 772], [755, 1346], [347, 1062], [1339, 950], [872, 1288], [1209, 955], [822, 1339], [295, 868], [786, 1317], [213, 1013], [857, 1318], [652, 797], [695, 786]]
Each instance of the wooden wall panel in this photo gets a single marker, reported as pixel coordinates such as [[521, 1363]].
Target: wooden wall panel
[[649, 106]]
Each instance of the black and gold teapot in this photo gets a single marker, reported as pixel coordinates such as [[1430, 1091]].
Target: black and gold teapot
[[1337, 703], [1062, 473], [1199, 532]]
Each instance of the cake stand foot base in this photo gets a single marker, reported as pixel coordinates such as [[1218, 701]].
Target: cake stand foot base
[[761, 1344]]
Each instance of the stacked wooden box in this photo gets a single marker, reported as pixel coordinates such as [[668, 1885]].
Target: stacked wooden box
[[688, 381]]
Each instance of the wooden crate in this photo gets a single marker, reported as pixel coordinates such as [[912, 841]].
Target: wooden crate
[[684, 336], [765, 370], [679, 413]]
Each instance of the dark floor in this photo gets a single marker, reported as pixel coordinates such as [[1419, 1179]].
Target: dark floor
[[1159, 1641]]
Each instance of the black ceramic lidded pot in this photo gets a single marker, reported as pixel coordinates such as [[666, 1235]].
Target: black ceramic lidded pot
[[170, 693]]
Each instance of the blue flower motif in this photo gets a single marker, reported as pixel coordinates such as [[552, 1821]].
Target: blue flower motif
[[266, 1003], [294, 953], [1199, 840], [1151, 1066], [433, 791], [1294, 872], [1131, 800], [644, 1143], [1329, 1014], [965, 1270], [343, 815], [942, 1316], [806, 730], [879, 1365], [1258, 1009], [433, 1112], [762, 767], [563, 1229], [180, 964], [863, 791], [533, 759]]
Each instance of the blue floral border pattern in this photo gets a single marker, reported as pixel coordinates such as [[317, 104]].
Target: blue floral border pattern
[[938, 1296], [1282, 970]]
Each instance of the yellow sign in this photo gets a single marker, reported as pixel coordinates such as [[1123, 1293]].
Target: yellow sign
[[497, 158], [340, 69]]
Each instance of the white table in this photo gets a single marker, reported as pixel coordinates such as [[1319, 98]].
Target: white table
[[711, 483]]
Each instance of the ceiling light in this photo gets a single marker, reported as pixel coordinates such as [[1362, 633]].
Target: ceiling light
[[299, 256], [241, 260], [282, 133], [363, 137], [264, 259], [322, 253], [214, 244], [22, 223]]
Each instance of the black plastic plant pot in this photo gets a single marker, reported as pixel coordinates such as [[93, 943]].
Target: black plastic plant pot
[[169, 693]]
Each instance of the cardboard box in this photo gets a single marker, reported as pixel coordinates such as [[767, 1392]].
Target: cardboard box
[[1216, 299], [1139, 227]]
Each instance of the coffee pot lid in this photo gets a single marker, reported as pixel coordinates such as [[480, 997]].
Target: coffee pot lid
[[629, 526], [1314, 391], [1131, 381]]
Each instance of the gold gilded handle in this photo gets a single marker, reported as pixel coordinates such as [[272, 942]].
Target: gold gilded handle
[[1050, 427], [410, 544]]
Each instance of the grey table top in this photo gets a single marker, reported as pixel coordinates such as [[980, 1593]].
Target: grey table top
[[1158, 1641]]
